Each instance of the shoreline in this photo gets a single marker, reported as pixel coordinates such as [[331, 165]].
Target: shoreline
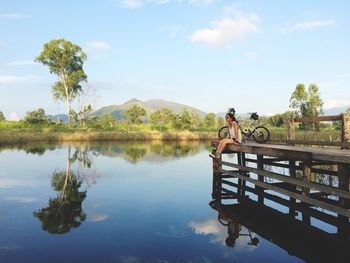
[[23, 137]]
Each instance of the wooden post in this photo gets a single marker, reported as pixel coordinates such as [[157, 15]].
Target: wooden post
[[240, 181], [243, 163], [216, 192], [260, 166], [306, 191], [345, 129], [292, 201], [291, 130], [344, 179]]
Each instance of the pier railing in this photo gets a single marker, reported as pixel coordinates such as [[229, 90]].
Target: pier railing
[[306, 173], [344, 142]]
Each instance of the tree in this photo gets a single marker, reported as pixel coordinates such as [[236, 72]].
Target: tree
[[107, 121], [135, 113], [162, 117], [65, 60], [83, 116], [219, 122], [195, 120], [209, 120], [2, 117], [36, 117], [298, 100], [307, 104], [185, 119]]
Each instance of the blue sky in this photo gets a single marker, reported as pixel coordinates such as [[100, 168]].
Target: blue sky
[[210, 54]]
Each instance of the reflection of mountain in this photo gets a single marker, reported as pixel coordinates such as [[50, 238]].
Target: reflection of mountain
[[152, 152]]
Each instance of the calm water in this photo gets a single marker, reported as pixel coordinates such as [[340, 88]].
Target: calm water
[[117, 203]]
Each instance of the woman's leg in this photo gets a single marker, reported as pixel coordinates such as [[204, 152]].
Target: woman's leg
[[223, 144]]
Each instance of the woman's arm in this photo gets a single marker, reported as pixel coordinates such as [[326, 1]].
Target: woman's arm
[[235, 127]]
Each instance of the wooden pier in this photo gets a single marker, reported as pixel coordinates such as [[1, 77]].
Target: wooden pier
[[299, 175]]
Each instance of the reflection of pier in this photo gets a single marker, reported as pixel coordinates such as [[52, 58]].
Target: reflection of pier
[[280, 191]]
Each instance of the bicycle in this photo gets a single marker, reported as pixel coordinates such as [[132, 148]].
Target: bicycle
[[260, 133]]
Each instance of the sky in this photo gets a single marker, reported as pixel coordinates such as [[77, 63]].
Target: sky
[[209, 54]]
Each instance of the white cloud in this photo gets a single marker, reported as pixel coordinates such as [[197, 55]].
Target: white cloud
[[21, 63], [13, 79], [174, 31], [18, 199], [336, 103], [96, 46], [224, 32], [308, 25], [13, 16], [251, 56], [13, 116], [134, 4], [97, 217]]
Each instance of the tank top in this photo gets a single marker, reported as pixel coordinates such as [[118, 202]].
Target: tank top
[[232, 135]]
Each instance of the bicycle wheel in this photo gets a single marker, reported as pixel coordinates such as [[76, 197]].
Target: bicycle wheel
[[223, 132], [261, 134]]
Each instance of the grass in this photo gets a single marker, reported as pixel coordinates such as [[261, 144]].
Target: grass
[[21, 132]]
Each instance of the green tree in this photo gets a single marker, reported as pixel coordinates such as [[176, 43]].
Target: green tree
[[209, 120], [65, 60], [107, 121], [162, 117], [2, 117], [36, 117], [315, 103], [185, 119], [298, 100], [219, 122], [135, 113], [195, 120]]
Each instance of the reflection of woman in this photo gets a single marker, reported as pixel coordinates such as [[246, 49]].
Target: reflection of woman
[[234, 135], [233, 232]]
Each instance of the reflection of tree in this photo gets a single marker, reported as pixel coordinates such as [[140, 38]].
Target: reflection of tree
[[65, 211], [135, 153]]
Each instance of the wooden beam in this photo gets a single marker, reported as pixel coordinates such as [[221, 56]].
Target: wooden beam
[[316, 119], [306, 199], [319, 187]]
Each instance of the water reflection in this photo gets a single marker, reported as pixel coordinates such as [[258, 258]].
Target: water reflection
[[299, 236], [65, 212]]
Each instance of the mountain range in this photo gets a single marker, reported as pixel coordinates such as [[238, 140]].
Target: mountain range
[[119, 111]]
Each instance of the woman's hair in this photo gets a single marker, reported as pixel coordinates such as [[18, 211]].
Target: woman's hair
[[232, 116]]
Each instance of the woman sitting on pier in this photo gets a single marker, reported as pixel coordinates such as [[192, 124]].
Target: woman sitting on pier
[[234, 135]]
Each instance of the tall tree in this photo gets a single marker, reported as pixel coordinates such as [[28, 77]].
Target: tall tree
[[185, 119], [2, 117], [315, 103], [135, 113], [209, 120], [298, 100], [65, 60]]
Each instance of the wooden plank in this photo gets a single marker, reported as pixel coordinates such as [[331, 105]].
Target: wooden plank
[[319, 187], [345, 138], [327, 218], [316, 119], [291, 152], [320, 143], [306, 199]]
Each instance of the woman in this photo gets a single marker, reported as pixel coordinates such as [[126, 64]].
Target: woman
[[234, 135]]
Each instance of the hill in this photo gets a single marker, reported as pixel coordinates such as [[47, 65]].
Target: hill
[[336, 111], [119, 111]]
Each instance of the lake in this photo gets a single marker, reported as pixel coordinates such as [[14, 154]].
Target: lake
[[119, 202]]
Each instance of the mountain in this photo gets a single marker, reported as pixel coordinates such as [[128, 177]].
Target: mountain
[[336, 111], [118, 111], [62, 117]]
